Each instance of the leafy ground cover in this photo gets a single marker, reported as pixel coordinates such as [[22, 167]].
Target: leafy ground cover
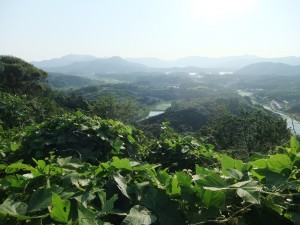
[[63, 166], [186, 182]]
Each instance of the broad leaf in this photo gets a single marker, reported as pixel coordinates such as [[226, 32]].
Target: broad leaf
[[213, 198], [64, 161], [40, 200], [122, 184], [85, 216], [247, 196], [248, 191], [60, 209], [139, 215], [107, 205], [13, 208], [164, 208], [121, 163], [280, 162]]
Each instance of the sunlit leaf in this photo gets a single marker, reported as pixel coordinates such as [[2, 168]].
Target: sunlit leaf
[[13, 208], [139, 215], [60, 209], [122, 184]]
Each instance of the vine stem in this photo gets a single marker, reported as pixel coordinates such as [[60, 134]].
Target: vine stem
[[225, 220]]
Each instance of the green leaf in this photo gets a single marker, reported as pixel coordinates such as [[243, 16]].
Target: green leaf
[[165, 209], [130, 139], [293, 216], [183, 179], [85, 216], [15, 146], [248, 191], [248, 196], [64, 161], [279, 162], [85, 198], [13, 208], [121, 163], [295, 146], [122, 184], [60, 209], [227, 163], [272, 204], [211, 180], [139, 215], [118, 145], [258, 168], [234, 173], [17, 166], [3, 166], [248, 184], [213, 198], [274, 180], [107, 205], [40, 199]]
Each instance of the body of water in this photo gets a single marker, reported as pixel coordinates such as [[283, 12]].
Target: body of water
[[159, 109], [292, 124]]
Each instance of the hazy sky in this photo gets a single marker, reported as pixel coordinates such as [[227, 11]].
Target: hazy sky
[[168, 29]]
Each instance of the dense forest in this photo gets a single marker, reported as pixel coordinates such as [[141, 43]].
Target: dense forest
[[80, 151]]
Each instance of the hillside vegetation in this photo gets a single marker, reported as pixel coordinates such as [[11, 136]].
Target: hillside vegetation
[[67, 159]]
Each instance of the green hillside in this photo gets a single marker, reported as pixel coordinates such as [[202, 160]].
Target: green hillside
[[62, 163]]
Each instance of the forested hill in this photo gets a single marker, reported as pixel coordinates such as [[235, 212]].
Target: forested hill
[[63, 81], [67, 160], [268, 68], [193, 114], [63, 61], [109, 65]]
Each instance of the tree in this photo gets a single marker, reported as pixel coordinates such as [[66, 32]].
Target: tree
[[19, 77], [248, 132], [108, 107]]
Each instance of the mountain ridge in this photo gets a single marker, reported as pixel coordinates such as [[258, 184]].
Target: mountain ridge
[[113, 64], [230, 62], [269, 68]]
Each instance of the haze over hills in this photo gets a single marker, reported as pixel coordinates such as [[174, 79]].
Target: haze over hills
[[231, 63], [110, 65], [269, 68], [86, 64], [63, 61]]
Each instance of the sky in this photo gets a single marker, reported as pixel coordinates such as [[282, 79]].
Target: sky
[[167, 29]]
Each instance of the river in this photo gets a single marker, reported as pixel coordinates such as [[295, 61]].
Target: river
[[292, 124], [159, 109]]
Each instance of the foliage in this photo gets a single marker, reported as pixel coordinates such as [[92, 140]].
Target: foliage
[[18, 76], [108, 107], [87, 138], [250, 131], [176, 152], [192, 114], [14, 111], [58, 166], [22, 110], [124, 191]]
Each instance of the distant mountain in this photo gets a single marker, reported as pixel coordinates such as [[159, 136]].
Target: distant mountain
[[230, 63], [82, 64], [269, 68], [153, 62], [99, 66], [63, 61]]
